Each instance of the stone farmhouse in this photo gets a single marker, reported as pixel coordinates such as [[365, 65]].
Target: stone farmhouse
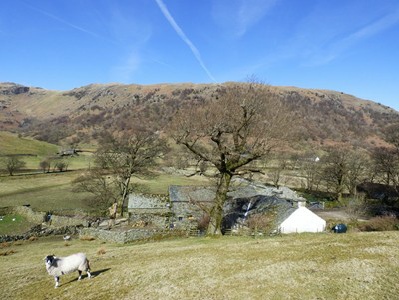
[[186, 206]]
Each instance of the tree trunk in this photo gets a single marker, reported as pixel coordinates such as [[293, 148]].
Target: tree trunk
[[216, 214], [124, 193]]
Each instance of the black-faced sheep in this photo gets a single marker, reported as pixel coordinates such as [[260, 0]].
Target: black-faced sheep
[[57, 266]]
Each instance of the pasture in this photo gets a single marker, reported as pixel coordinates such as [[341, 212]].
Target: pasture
[[54, 191], [298, 266]]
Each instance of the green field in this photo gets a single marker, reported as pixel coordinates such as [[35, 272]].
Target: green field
[[53, 191], [298, 266], [14, 144], [14, 224]]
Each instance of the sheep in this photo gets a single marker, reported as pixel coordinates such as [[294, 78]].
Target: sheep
[[57, 266]]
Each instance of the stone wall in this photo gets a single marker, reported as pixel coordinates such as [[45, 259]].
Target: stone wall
[[39, 231], [121, 237], [38, 217], [156, 218]]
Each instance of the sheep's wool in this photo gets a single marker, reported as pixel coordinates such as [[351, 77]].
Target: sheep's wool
[[65, 265]]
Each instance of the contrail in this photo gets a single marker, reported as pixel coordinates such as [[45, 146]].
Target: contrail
[[81, 29], [182, 35]]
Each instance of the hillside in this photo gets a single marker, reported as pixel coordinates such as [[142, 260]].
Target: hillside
[[14, 144], [79, 115], [299, 266]]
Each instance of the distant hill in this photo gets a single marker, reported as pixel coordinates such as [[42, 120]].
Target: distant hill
[[79, 115]]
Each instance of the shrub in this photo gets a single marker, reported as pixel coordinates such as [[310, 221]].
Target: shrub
[[4, 245], [381, 223], [32, 238]]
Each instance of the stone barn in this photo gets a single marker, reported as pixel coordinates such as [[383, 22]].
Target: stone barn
[[189, 204], [148, 210]]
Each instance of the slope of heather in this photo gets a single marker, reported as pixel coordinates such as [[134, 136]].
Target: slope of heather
[[78, 115]]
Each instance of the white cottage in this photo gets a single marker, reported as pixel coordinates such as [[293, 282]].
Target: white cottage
[[302, 220]]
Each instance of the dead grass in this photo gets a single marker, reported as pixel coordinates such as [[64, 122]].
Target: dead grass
[[7, 253], [307, 266], [101, 251], [87, 238]]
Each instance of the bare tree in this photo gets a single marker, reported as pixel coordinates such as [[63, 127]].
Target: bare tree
[[13, 164], [385, 163], [126, 155], [245, 123], [344, 169], [392, 137], [358, 170], [335, 171], [61, 165], [99, 184], [280, 166], [45, 165], [311, 169]]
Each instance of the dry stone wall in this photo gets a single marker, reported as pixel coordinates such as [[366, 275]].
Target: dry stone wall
[[39, 217], [121, 237]]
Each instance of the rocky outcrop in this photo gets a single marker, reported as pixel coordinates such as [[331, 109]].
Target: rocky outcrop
[[13, 89]]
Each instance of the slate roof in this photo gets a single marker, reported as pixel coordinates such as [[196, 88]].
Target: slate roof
[[178, 193]]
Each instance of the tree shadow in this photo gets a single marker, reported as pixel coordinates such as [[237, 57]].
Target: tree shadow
[[84, 276]]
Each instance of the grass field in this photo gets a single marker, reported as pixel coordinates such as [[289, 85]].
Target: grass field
[[13, 144], [305, 266], [53, 191], [14, 224]]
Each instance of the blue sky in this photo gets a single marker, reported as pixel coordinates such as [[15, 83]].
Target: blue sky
[[345, 45]]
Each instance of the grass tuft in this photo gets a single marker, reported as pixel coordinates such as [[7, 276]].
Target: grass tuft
[[4, 245], [87, 238], [101, 251]]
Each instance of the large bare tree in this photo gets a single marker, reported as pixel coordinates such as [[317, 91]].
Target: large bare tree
[[122, 156], [244, 123]]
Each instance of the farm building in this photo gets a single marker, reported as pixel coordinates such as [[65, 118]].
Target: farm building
[[148, 210], [285, 209], [187, 206], [302, 220]]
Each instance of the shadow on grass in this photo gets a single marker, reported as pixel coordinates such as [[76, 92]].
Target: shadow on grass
[[93, 274]]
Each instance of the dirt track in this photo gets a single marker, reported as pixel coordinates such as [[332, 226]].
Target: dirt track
[[333, 214]]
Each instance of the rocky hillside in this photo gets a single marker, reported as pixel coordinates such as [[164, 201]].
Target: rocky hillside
[[79, 115]]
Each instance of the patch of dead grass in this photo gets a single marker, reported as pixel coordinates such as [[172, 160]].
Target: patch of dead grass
[[7, 252]]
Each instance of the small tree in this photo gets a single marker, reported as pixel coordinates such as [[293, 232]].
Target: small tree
[[280, 166], [13, 164], [61, 165], [311, 169], [97, 183], [125, 155], [358, 170], [45, 165], [335, 171]]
